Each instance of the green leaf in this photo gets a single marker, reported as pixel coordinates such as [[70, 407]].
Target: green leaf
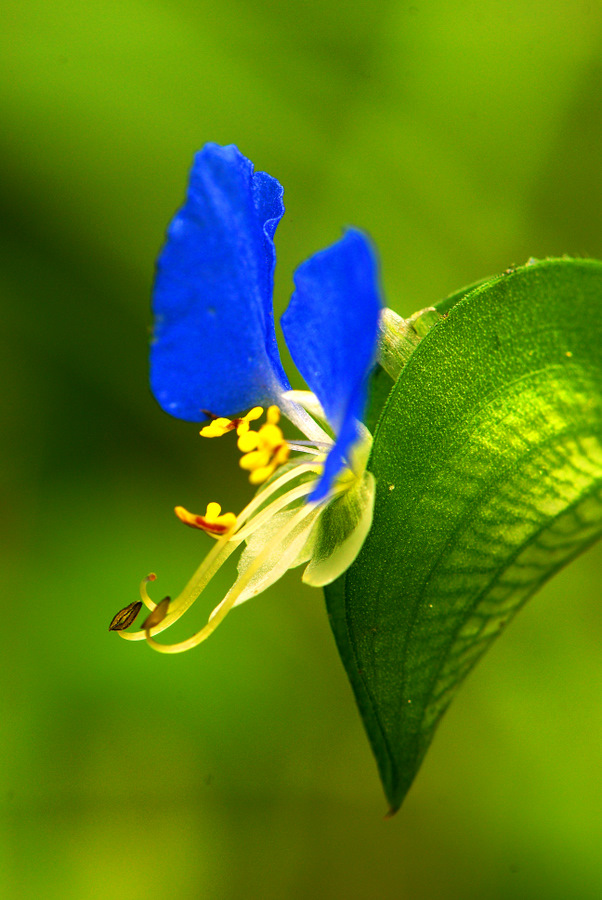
[[488, 462]]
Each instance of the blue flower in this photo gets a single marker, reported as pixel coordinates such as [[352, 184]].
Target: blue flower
[[214, 355]]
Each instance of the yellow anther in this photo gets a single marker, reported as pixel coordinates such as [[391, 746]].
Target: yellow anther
[[219, 425], [273, 415], [270, 435], [248, 441], [263, 450], [213, 511], [214, 522], [242, 425], [255, 459], [282, 454], [262, 473]]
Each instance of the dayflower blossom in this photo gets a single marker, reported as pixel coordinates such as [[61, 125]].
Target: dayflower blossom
[[214, 355]]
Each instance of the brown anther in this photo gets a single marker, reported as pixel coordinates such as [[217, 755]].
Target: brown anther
[[157, 615], [125, 616]]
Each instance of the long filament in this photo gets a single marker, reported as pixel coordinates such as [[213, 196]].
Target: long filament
[[302, 490], [205, 572], [267, 491], [225, 607], [223, 548], [148, 602]]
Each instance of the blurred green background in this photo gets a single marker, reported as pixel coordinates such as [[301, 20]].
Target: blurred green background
[[464, 136]]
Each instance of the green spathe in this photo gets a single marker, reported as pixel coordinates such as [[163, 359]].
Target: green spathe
[[488, 466]]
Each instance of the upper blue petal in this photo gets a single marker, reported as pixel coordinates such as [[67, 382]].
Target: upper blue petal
[[214, 346], [331, 327]]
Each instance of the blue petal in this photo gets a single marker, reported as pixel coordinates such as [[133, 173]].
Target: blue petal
[[330, 327], [214, 346]]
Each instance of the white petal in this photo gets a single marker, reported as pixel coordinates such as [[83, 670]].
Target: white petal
[[340, 533]]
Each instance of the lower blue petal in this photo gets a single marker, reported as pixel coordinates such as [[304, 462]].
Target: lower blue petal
[[214, 346], [331, 327], [337, 458]]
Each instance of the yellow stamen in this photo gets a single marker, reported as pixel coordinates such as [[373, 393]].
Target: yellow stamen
[[261, 473], [264, 450], [251, 518], [214, 522], [222, 610], [273, 415], [282, 454], [219, 425], [214, 560], [248, 441], [270, 435], [242, 425], [256, 459]]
